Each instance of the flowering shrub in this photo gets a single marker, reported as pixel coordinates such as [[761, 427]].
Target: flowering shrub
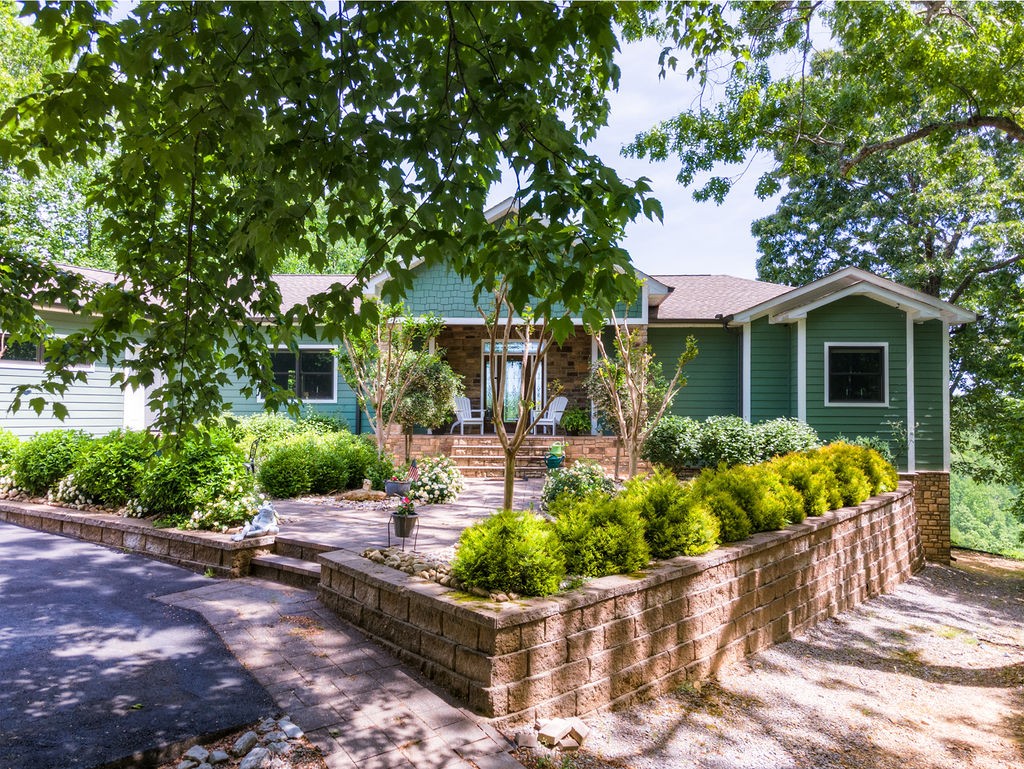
[[238, 505], [579, 480], [439, 481], [406, 507], [67, 493]]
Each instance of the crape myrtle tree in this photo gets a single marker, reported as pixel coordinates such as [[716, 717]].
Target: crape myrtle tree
[[514, 332], [237, 125], [895, 131], [628, 386]]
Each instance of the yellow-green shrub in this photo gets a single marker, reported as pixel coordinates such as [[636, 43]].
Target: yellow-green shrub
[[813, 478], [758, 490], [600, 535], [511, 551], [675, 523]]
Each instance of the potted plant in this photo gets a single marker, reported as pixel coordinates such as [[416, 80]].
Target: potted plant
[[397, 487], [575, 421], [404, 519]]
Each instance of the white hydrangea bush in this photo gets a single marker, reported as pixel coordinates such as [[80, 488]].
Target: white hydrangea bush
[[67, 494], [439, 481]]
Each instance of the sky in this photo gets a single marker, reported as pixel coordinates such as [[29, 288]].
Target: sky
[[695, 238]]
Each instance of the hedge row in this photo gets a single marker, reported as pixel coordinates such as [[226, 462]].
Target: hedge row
[[594, 533]]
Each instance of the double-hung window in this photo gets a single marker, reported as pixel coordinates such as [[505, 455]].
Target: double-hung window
[[311, 374], [856, 374]]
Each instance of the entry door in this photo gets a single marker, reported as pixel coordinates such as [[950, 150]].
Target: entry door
[[514, 378]]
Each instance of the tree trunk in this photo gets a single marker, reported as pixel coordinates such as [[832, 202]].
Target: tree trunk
[[510, 479], [408, 445], [631, 460]]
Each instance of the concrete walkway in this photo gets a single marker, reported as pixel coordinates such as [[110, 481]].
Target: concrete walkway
[[345, 526], [354, 699]]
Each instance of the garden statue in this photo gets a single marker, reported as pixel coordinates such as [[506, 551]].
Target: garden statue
[[265, 522]]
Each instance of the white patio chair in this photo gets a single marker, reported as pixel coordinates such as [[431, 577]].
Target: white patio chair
[[552, 416], [465, 414]]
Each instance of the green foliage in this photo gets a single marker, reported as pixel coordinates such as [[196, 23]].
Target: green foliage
[[8, 448], [439, 481], [109, 468], [675, 523], [308, 463], [600, 534], [575, 421], [854, 486], [510, 551], [879, 474], [46, 458], [981, 517], [286, 472], [679, 443], [192, 474], [873, 442], [219, 175], [578, 480], [758, 490], [320, 423], [813, 478]]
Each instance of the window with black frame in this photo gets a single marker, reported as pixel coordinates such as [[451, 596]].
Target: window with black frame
[[310, 374], [21, 352], [857, 374]]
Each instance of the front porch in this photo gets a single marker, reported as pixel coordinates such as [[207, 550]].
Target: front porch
[[562, 371], [481, 456]]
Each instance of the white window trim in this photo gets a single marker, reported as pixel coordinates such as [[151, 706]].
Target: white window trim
[[334, 369], [885, 376], [39, 365]]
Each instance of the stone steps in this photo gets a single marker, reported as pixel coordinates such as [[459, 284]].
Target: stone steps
[[485, 458], [302, 549], [286, 570]]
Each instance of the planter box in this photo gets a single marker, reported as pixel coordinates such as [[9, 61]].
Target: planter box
[[397, 488]]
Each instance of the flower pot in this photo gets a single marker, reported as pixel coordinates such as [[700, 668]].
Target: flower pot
[[397, 488], [556, 449], [403, 525]]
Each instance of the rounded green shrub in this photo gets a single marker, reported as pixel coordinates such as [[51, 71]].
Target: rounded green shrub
[[757, 490], [733, 521], [813, 478], [777, 437], [844, 460], [600, 535], [331, 468], [288, 469], [321, 424], [672, 443], [9, 444], [511, 551], [46, 458], [109, 468], [579, 480], [674, 522], [191, 474]]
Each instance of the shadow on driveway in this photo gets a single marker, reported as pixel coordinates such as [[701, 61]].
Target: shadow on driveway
[[93, 669]]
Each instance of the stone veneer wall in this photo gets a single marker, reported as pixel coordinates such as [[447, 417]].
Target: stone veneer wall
[[195, 550], [619, 639], [931, 495]]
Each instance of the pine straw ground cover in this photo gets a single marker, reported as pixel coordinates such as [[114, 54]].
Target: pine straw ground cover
[[928, 677]]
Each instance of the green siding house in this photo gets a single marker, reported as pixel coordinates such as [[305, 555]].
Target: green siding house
[[850, 354]]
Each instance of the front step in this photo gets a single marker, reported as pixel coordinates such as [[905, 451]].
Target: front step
[[485, 458], [286, 571], [301, 549]]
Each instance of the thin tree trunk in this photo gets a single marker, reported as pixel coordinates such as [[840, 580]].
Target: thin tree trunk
[[510, 479]]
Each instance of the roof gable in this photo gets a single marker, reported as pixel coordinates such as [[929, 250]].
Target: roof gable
[[853, 281]]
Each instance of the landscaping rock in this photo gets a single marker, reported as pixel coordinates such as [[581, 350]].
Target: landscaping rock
[[187, 764], [257, 758], [197, 753], [554, 731], [291, 730], [280, 748], [266, 725], [275, 736], [359, 495], [244, 744], [526, 739], [205, 765], [579, 731], [218, 757]]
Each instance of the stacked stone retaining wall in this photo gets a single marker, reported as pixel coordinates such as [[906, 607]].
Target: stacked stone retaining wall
[[931, 496], [618, 639]]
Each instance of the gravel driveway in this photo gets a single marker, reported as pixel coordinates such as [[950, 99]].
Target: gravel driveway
[[930, 676]]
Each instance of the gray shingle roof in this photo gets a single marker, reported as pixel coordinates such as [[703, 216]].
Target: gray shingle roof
[[708, 297]]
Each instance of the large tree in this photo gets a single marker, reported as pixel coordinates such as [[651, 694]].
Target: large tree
[[896, 134], [235, 124]]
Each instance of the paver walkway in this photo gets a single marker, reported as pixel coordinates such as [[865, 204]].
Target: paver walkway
[[354, 699], [347, 527]]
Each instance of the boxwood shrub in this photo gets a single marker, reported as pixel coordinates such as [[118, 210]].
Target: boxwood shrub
[[43, 460], [108, 469], [679, 443]]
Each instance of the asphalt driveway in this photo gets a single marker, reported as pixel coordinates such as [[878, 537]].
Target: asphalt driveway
[[92, 669]]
